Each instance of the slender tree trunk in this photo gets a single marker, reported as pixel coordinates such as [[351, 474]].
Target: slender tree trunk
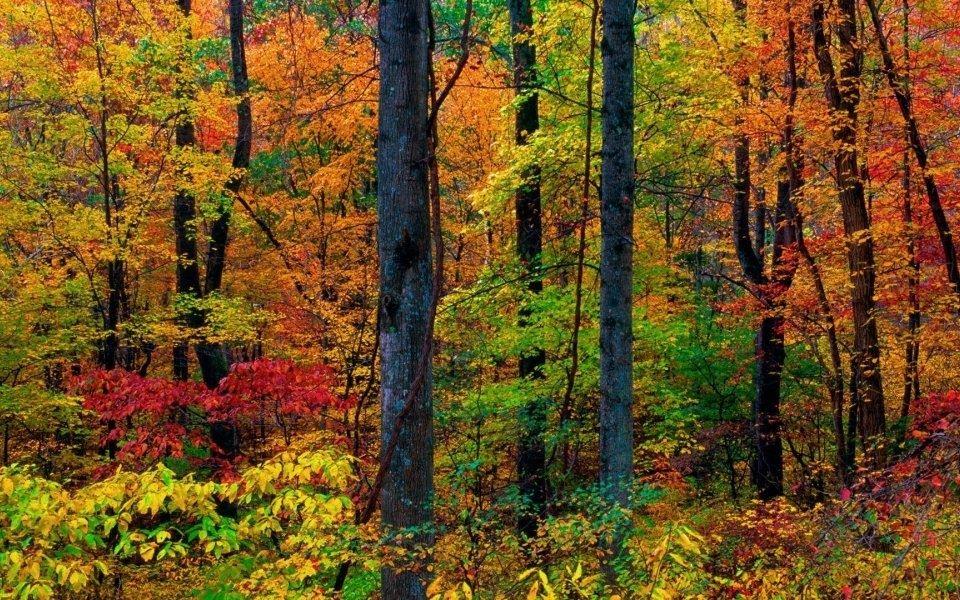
[[216, 252], [901, 92], [116, 280], [843, 96], [911, 377], [616, 257], [184, 217], [213, 361], [531, 455], [406, 285], [116, 266], [835, 377], [566, 406], [751, 261]]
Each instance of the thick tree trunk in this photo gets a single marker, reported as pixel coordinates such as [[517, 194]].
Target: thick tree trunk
[[843, 96], [406, 285], [531, 454], [616, 258]]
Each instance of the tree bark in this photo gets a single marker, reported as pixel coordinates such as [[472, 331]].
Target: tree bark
[[213, 361], [406, 285], [616, 255], [531, 453], [842, 92], [184, 217]]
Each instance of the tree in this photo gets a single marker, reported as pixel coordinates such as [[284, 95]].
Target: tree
[[117, 304], [616, 255], [901, 91], [842, 90], [531, 459], [768, 286], [213, 361], [406, 285], [185, 214]]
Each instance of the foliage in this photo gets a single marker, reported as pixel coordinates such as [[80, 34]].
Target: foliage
[[292, 522], [114, 479]]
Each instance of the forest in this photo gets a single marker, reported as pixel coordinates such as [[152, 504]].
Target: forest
[[456, 299]]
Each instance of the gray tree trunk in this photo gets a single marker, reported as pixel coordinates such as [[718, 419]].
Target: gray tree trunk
[[616, 267], [406, 285]]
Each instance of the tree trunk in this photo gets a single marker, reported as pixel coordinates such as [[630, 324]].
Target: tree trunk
[[184, 217], [843, 96], [770, 357], [406, 286], [216, 253], [911, 377], [901, 92], [616, 266], [214, 364], [211, 357], [531, 455]]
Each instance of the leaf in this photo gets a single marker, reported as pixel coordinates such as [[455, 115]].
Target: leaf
[[534, 591], [147, 551]]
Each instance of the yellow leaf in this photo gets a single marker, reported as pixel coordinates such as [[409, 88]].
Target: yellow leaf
[[77, 580], [534, 590], [435, 586], [147, 551]]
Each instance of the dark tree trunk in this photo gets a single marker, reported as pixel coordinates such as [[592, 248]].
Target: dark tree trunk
[[406, 286], [216, 253], [211, 357], [770, 354], [770, 357], [901, 92], [531, 454], [116, 268], [911, 377], [843, 96], [213, 361], [616, 257], [184, 226], [116, 280]]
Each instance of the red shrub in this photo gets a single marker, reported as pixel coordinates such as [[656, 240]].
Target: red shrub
[[149, 418]]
